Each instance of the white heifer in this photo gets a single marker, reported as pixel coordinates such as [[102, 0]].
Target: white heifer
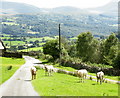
[[82, 74], [100, 76], [49, 69], [33, 72]]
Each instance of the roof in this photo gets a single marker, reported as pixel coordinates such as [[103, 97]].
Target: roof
[[1, 45]]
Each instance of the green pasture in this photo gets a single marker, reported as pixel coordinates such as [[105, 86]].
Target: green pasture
[[40, 39], [9, 23], [32, 49], [67, 85], [9, 19], [33, 39], [41, 43], [48, 38], [5, 34], [14, 42], [73, 38], [5, 71]]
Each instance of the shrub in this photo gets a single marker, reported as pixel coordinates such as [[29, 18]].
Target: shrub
[[9, 67]]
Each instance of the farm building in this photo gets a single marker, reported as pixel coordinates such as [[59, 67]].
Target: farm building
[[4, 53], [2, 48]]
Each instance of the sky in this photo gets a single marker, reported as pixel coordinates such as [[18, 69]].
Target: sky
[[57, 3]]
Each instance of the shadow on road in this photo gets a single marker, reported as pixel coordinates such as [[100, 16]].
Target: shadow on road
[[28, 80], [41, 63]]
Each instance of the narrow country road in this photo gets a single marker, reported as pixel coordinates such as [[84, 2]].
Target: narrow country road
[[20, 83]]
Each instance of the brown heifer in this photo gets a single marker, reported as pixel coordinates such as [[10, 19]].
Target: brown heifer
[[33, 72]]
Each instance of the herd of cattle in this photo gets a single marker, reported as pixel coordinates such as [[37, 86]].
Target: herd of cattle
[[82, 74]]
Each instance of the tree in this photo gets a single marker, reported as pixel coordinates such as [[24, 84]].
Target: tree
[[36, 43], [110, 49], [116, 62], [94, 51], [52, 48], [72, 50], [84, 46]]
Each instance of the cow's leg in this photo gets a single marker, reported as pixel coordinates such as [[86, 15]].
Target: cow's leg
[[101, 80], [45, 73], [80, 79], [51, 73], [83, 79], [32, 77], [97, 80], [35, 76], [48, 73]]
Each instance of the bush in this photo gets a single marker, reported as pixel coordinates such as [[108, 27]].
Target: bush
[[9, 67], [52, 48]]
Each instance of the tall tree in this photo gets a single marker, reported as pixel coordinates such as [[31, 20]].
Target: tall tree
[[85, 46], [110, 49]]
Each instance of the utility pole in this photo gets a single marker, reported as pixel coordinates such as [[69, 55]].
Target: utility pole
[[27, 46], [10, 41], [59, 46]]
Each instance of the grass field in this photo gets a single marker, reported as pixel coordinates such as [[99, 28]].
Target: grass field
[[32, 49], [40, 39], [67, 85], [14, 42], [9, 23], [5, 72]]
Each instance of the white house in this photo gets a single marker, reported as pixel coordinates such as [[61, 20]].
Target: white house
[[2, 48]]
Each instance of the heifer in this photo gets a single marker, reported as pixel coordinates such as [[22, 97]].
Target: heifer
[[33, 72], [82, 74], [100, 76], [49, 69]]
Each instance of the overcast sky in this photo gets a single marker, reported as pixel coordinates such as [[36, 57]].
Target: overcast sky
[[57, 3]]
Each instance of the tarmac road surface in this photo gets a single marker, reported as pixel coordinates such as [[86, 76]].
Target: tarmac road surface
[[20, 83]]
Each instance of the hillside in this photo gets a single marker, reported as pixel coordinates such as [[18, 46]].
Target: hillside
[[29, 20], [110, 9], [47, 24], [17, 8]]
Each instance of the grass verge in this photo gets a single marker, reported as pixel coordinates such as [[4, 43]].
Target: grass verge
[[6, 71]]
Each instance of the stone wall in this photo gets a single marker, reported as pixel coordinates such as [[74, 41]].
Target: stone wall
[[92, 69], [12, 54]]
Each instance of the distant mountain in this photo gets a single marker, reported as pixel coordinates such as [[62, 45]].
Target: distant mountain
[[17, 8], [110, 9], [22, 8], [69, 10]]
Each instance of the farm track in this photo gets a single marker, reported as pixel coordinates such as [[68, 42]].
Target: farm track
[[20, 83]]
